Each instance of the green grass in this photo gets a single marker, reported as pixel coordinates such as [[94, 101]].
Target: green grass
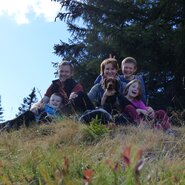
[[71, 153]]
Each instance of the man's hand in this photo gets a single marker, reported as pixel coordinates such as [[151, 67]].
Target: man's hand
[[73, 95]]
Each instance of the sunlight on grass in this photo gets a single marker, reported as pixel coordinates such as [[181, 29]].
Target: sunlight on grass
[[68, 153]]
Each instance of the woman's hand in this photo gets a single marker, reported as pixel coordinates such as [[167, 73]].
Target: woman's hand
[[109, 93], [106, 94]]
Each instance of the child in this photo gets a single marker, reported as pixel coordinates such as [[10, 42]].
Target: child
[[129, 68], [39, 113], [138, 111]]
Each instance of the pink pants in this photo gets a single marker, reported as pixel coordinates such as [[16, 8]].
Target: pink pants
[[161, 117]]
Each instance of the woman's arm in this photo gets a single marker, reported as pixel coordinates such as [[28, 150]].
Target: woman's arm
[[93, 93], [105, 95]]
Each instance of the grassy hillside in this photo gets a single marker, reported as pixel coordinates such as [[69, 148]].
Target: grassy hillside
[[71, 153]]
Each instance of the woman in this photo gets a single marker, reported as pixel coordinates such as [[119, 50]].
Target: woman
[[103, 97]]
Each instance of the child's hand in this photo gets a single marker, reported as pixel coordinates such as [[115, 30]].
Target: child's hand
[[150, 112], [141, 111]]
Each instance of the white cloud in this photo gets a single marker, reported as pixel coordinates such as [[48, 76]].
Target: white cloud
[[20, 9]]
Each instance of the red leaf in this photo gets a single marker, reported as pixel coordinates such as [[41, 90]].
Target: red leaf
[[126, 155], [87, 174]]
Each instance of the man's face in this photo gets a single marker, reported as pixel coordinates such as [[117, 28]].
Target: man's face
[[65, 73], [128, 69]]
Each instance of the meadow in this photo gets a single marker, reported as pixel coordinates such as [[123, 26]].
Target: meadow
[[71, 153]]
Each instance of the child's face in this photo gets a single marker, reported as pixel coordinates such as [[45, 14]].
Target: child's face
[[128, 69], [55, 101], [109, 71], [133, 90], [65, 73]]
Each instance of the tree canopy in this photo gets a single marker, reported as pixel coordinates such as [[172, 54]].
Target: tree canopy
[[150, 31], [28, 102]]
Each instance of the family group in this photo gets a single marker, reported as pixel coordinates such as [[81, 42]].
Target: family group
[[113, 98]]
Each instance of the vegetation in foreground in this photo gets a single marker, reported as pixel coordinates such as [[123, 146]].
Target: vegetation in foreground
[[71, 153]]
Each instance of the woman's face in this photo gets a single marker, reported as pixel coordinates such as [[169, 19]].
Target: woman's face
[[133, 90], [110, 71]]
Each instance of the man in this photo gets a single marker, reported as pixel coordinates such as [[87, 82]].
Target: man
[[68, 88], [65, 85]]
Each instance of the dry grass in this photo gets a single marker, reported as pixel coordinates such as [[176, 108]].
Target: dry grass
[[34, 155]]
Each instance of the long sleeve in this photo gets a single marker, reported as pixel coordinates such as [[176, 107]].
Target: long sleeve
[[94, 93]]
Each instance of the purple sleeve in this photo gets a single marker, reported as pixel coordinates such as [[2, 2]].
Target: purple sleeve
[[139, 104]]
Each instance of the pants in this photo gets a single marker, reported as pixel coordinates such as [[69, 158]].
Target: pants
[[161, 119], [24, 119], [82, 103]]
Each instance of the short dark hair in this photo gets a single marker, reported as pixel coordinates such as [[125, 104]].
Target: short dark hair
[[112, 61], [59, 95]]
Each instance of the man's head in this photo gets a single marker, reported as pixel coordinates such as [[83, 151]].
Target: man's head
[[129, 67], [65, 70]]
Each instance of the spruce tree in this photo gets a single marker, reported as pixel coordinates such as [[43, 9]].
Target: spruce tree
[[1, 111], [28, 102], [151, 31]]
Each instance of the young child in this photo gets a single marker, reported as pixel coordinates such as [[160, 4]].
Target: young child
[[129, 68], [39, 113], [138, 111]]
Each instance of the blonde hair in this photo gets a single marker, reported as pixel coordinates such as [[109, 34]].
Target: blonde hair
[[112, 61], [132, 82], [66, 63], [129, 60]]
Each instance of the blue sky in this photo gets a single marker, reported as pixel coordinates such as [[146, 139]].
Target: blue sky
[[28, 34]]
